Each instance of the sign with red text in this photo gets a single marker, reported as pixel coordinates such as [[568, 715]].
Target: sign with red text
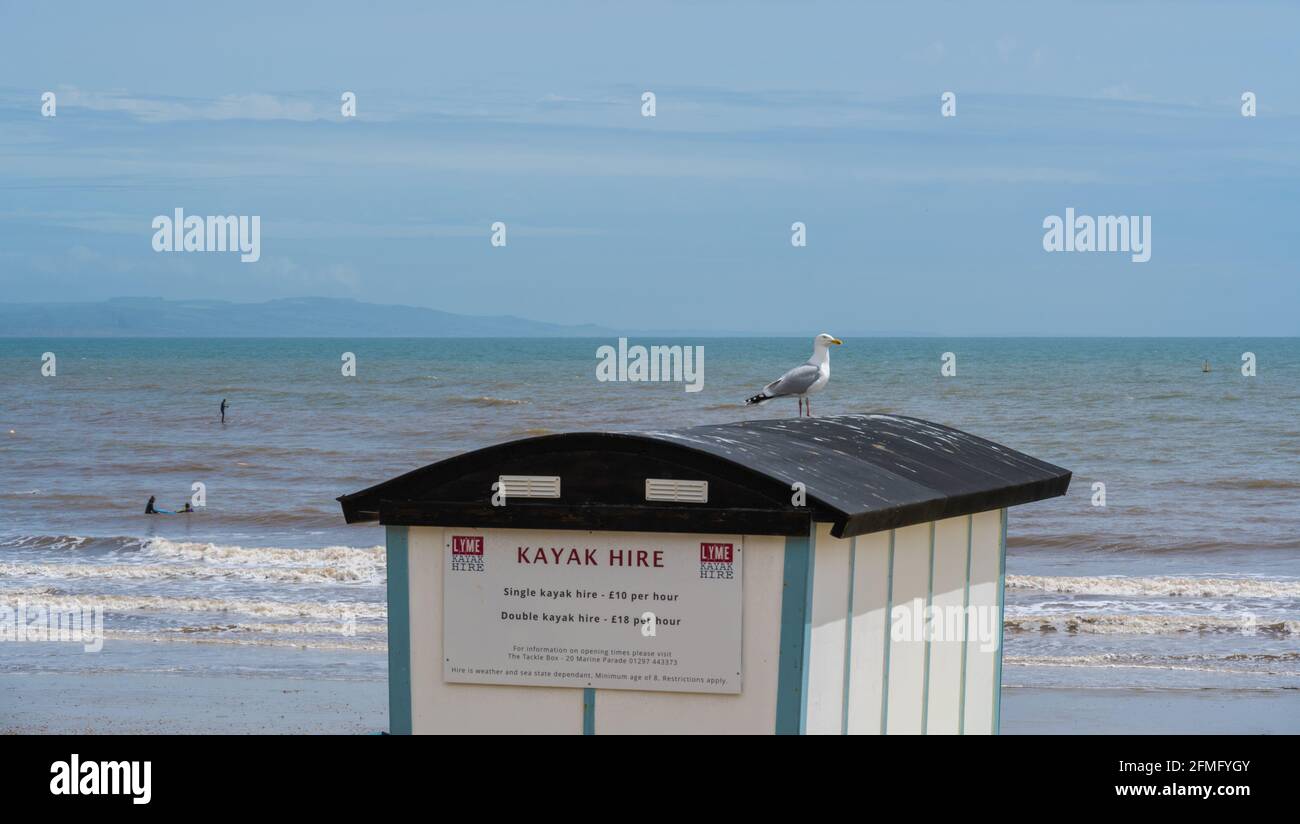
[[610, 610]]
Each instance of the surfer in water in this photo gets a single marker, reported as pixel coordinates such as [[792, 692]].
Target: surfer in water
[[223, 410], [150, 509]]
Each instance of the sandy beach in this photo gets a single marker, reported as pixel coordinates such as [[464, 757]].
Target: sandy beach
[[143, 704], [1031, 711], [152, 704]]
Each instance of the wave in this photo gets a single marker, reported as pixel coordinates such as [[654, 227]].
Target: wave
[[1151, 624], [1171, 417], [1221, 484], [487, 401], [234, 554], [307, 628], [305, 643], [1160, 585], [51, 542], [349, 563], [1141, 543], [1252, 483], [1179, 663], [274, 454], [64, 542], [142, 572], [53, 598]]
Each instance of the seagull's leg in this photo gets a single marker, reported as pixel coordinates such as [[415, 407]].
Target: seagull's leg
[[800, 406], [810, 407]]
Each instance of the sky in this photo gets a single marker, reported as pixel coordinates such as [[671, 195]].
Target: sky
[[827, 114]]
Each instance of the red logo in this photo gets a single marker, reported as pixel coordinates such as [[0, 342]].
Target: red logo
[[715, 553], [467, 545]]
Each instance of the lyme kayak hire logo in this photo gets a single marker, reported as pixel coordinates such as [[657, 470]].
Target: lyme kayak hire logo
[[467, 553], [717, 560], [77, 777]]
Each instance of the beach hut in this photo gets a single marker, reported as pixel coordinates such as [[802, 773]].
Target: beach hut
[[810, 575]]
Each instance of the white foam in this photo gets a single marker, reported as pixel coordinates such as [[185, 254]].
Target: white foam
[[314, 643], [345, 629], [336, 564], [1110, 624], [140, 572], [323, 610], [1113, 661], [45, 541], [1160, 585], [221, 554]]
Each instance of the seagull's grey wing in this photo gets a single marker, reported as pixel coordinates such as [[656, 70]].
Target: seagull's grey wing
[[794, 382]]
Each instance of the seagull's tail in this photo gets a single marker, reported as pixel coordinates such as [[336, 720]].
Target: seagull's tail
[[759, 398]]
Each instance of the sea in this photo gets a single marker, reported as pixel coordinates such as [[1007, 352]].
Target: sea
[[1172, 564]]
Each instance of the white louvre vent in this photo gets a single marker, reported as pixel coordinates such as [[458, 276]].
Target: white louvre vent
[[530, 486], [666, 489]]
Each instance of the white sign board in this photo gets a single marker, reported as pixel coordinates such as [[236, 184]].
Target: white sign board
[[612, 610]]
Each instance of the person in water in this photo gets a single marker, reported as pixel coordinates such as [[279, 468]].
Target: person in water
[[187, 507], [223, 410], [148, 508]]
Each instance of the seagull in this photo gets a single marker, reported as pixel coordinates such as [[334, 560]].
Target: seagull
[[802, 381]]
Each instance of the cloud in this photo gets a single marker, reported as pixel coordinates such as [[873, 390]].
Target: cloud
[[981, 175], [345, 275], [254, 106], [566, 101], [1124, 91], [79, 261], [1006, 45]]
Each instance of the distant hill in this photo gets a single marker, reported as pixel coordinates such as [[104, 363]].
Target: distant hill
[[285, 317]]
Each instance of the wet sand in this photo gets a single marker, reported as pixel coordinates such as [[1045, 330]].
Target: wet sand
[[1032, 711], [144, 704], [135, 704]]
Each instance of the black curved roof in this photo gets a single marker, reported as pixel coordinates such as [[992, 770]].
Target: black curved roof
[[862, 473]]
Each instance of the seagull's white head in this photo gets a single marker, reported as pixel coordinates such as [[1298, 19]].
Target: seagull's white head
[[824, 340]]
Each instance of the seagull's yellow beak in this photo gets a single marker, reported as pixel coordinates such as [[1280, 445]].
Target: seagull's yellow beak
[[836, 341]]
